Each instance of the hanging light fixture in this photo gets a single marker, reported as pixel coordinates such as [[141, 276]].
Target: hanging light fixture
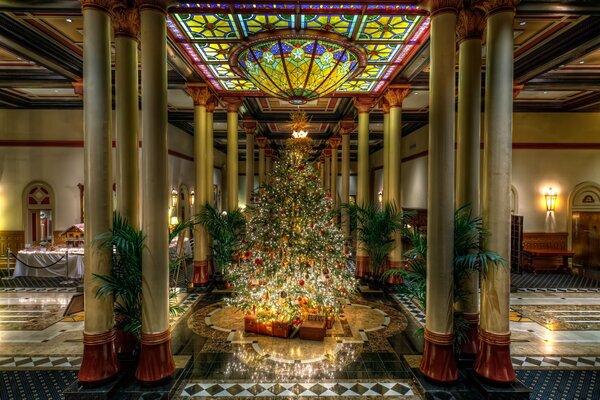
[[298, 66], [550, 199]]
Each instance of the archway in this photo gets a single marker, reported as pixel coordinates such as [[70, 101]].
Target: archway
[[583, 222], [39, 216]]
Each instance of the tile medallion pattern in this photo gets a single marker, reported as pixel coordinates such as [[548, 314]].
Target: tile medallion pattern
[[304, 389]]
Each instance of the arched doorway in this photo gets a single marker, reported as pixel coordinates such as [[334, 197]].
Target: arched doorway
[[584, 224], [38, 206], [514, 200]]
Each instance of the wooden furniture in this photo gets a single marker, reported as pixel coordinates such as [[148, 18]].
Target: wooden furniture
[[516, 243], [546, 252], [313, 328]]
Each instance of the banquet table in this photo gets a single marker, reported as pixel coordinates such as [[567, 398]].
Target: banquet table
[[73, 260]]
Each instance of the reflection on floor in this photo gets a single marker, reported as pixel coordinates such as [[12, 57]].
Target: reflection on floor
[[555, 347]]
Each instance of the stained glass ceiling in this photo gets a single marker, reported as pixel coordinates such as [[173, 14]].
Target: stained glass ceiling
[[389, 34]]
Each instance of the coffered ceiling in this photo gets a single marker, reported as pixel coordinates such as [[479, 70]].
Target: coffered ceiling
[[557, 58]]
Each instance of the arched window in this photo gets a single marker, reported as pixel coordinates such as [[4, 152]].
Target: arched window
[[38, 206]]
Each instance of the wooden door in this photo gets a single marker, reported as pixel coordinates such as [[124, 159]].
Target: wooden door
[[586, 238]]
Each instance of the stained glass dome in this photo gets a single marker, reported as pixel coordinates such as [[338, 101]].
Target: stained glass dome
[[298, 66]]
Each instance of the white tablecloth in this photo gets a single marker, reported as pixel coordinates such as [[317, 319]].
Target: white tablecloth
[[42, 258]]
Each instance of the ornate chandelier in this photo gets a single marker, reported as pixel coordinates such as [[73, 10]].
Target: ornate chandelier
[[300, 124], [298, 66]]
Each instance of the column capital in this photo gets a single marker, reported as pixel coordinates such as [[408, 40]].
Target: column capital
[[347, 125], [211, 104], [104, 5], [363, 104], [383, 104], [334, 142], [126, 20], [200, 94], [159, 5], [232, 103], [395, 95], [268, 152], [78, 88], [250, 125], [440, 6], [517, 87], [494, 6], [261, 141], [327, 152], [322, 158], [470, 24]]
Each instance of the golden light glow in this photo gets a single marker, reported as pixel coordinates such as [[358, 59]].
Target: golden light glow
[[550, 197]]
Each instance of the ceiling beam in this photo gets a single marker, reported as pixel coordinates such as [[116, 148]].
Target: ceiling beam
[[558, 8]]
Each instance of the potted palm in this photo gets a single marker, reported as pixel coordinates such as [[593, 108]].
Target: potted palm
[[375, 226], [124, 284], [469, 256], [226, 229]]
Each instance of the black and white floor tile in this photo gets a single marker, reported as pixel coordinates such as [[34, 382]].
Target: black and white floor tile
[[411, 308], [48, 362], [567, 362], [304, 389], [558, 290]]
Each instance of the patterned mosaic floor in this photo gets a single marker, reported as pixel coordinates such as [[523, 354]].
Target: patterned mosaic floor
[[562, 385], [529, 280]]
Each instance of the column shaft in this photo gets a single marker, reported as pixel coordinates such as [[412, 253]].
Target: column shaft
[[438, 362], [362, 186], [327, 172], [334, 171], [386, 154], [232, 160], [250, 127], [156, 361], [493, 359], [99, 357], [394, 176], [127, 126], [345, 182], [210, 153], [262, 142]]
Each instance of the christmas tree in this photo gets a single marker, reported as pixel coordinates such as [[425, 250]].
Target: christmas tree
[[293, 260]]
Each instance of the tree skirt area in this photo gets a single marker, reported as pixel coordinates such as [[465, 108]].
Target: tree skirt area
[[363, 327]]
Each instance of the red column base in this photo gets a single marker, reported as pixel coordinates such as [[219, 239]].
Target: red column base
[[100, 362], [470, 347], [362, 266], [211, 267], [125, 342], [439, 361], [200, 273], [156, 361], [493, 360], [394, 280]]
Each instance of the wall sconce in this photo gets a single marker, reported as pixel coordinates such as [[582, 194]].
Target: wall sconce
[[550, 199], [380, 197], [192, 197], [174, 196], [174, 220]]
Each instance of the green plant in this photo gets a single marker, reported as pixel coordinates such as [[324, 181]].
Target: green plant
[[469, 256], [124, 284], [376, 226], [226, 229]]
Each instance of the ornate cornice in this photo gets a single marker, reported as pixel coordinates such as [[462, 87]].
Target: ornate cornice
[[159, 5], [494, 6], [436, 7], [363, 104], [261, 141], [250, 125], [200, 94], [232, 103], [334, 142], [78, 88], [470, 24], [104, 5], [517, 87], [347, 125], [126, 21], [394, 96]]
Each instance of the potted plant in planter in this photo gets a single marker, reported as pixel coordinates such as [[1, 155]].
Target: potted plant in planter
[[226, 229], [375, 227], [469, 256], [124, 284]]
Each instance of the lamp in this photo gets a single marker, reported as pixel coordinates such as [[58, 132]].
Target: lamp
[[192, 196], [380, 197], [550, 199], [174, 220], [174, 198]]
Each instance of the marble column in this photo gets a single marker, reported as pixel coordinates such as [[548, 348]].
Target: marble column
[[262, 144], [346, 127], [394, 97], [210, 172], [250, 126], [322, 170], [493, 360], [334, 143], [156, 361], [201, 96], [99, 361], [439, 361], [232, 104], [470, 26], [327, 170], [126, 25], [386, 150], [363, 197], [268, 163]]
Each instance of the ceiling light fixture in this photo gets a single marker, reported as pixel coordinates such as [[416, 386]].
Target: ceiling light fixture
[[69, 20], [581, 62], [298, 67], [522, 23]]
